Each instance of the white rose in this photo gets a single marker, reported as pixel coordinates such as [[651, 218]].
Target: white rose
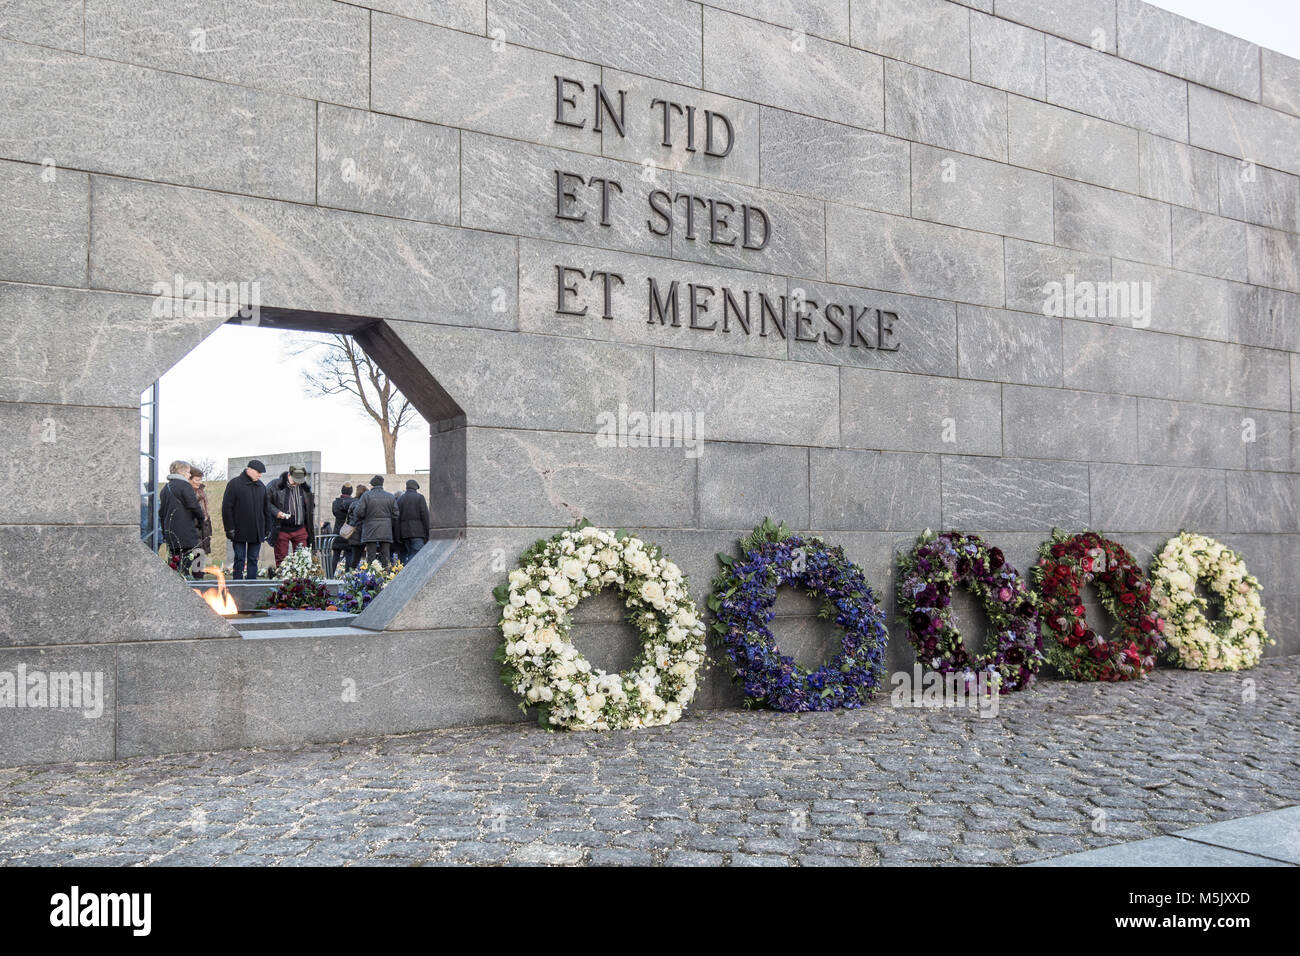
[[532, 597], [653, 593]]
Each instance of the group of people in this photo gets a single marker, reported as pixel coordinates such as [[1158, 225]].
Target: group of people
[[279, 513], [186, 521], [373, 524], [377, 524]]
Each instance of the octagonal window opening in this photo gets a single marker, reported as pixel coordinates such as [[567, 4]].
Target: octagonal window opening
[[325, 403]]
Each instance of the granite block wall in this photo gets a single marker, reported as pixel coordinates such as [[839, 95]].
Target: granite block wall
[[472, 185]]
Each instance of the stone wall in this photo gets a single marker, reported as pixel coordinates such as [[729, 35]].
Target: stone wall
[[390, 166]]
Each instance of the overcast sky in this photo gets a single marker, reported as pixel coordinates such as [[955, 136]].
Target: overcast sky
[[1271, 23], [240, 393]]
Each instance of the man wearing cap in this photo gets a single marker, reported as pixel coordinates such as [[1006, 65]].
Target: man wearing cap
[[412, 520], [292, 498], [376, 515], [248, 517]]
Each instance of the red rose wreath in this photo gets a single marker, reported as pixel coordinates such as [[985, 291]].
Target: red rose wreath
[[1066, 565]]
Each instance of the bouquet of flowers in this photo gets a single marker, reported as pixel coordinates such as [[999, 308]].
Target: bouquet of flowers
[[300, 564], [301, 587], [358, 588], [298, 594]]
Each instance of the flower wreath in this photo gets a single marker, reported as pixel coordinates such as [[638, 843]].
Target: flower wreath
[[742, 602], [1066, 565], [1230, 644], [929, 573], [539, 661], [361, 585]]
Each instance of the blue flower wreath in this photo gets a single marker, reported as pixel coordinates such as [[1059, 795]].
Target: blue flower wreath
[[744, 593]]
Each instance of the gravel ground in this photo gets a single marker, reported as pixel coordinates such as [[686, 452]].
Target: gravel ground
[[1061, 768]]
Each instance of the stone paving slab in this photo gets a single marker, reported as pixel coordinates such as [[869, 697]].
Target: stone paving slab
[[1275, 835], [1161, 851], [1061, 769]]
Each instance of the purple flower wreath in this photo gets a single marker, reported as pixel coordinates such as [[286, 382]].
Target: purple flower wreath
[[742, 603], [928, 575]]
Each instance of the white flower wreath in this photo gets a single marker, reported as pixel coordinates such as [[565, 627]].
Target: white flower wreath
[[539, 662], [1235, 642]]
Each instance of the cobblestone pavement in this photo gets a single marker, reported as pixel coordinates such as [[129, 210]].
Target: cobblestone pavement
[[877, 785]]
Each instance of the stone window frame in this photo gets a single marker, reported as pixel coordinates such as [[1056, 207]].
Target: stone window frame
[[447, 421]]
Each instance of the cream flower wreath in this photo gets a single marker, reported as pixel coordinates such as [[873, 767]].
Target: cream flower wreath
[[539, 661], [1237, 640]]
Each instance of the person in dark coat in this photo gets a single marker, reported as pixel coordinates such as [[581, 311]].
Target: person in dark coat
[[180, 513], [376, 514], [205, 533], [355, 548], [340, 509], [249, 518], [291, 495], [412, 520], [201, 492]]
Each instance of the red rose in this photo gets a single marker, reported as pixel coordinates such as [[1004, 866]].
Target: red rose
[[1128, 597]]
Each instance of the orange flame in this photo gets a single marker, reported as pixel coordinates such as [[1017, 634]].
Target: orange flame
[[219, 598]]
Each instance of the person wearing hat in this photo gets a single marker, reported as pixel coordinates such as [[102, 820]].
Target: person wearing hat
[[180, 513], [248, 517], [340, 508], [412, 520], [376, 516], [292, 498]]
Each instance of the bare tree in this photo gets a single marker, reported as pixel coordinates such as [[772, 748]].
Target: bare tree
[[211, 470], [343, 366]]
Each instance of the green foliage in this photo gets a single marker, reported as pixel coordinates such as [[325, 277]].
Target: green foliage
[[767, 531]]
